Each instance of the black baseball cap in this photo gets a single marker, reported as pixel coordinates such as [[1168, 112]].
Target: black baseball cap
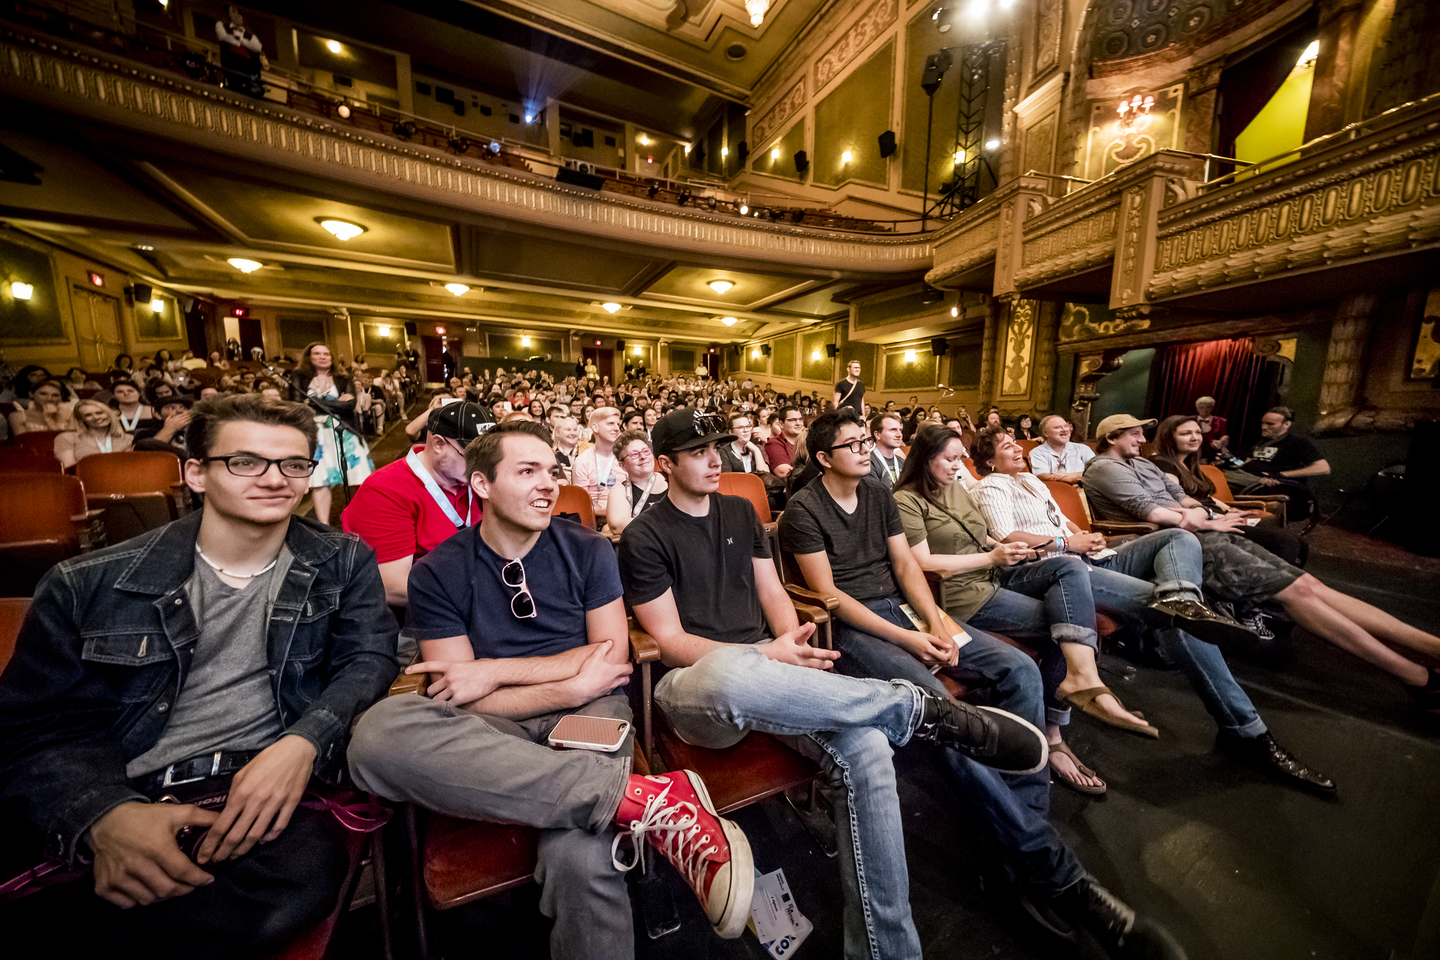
[[686, 429], [462, 420]]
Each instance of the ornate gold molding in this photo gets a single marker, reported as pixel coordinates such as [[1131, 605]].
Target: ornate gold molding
[[872, 23], [135, 97], [785, 108]]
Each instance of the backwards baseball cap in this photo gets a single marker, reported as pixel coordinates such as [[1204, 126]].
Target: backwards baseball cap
[[1120, 421], [463, 421], [686, 429]]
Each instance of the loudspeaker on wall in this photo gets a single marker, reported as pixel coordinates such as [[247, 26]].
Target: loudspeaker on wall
[[412, 328], [887, 143], [939, 346], [802, 161], [832, 350]]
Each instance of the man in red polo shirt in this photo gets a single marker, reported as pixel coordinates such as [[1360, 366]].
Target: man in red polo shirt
[[409, 507]]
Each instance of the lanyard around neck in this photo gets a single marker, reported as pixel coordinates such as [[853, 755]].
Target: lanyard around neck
[[433, 488]]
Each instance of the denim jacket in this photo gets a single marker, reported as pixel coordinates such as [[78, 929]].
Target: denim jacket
[[105, 649]]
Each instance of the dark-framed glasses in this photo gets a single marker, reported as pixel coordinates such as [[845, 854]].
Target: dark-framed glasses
[[249, 465], [862, 445], [522, 605]]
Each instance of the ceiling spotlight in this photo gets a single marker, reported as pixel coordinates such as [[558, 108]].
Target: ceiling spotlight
[[459, 289], [992, 144], [405, 129], [343, 112], [21, 291], [610, 307], [157, 305], [341, 229], [845, 157], [729, 321], [243, 265], [643, 140], [720, 286], [333, 46], [383, 330]]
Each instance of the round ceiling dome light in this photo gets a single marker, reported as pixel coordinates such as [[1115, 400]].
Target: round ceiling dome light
[[721, 287], [736, 51], [459, 289], [341, 229], [243, 265]]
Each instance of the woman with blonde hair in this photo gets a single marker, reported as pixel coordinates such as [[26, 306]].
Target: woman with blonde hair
[[97, 430]]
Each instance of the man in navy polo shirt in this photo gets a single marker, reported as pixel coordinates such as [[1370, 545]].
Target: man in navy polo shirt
[[520, 623]]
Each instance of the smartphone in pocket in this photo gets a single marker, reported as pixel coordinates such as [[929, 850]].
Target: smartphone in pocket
[[579, 732]]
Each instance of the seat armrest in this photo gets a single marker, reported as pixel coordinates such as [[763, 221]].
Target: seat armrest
[[1108, 527], [643, 648], [809, 614], [800, 594], [1122, 538], [410, 683], [824, 635]]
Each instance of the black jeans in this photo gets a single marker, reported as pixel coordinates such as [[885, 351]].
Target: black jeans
[[257, 903]]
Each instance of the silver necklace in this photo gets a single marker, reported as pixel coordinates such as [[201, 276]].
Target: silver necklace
[[240, 576]]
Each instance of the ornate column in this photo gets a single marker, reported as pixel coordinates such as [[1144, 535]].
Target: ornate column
[[1047, 331], [1340, 385], [1093, 368], [990, 349]]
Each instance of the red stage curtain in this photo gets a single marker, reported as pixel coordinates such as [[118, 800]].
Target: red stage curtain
[[1227, 370]]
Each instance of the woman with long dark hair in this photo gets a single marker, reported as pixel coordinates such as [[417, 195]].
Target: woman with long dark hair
[[1178, 446], [1010, 589], [317, 376]]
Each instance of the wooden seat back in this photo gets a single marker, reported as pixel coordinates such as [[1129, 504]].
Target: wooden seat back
[[576, 500], [41, 508], [16, 460], [749, 486], [1072, 502], [38, 441], [130, 473]]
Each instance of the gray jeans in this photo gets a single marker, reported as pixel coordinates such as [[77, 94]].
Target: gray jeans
[[417, 750]]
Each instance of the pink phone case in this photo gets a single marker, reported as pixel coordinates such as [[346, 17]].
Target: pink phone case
[[579, 732]]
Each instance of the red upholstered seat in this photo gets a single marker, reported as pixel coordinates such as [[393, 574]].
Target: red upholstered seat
[[755, 768], [465, 860]]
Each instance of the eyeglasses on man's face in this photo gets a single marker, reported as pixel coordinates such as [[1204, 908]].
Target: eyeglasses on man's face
[[857, 446], [250, 465]]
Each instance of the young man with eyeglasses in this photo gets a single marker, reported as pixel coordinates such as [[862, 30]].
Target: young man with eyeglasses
[[220, 658], [520, 623], [699, 575], [409, 507], [780, 449], [849, 542]]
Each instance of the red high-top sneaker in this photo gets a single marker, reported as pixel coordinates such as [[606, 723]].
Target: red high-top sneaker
[[673, 811]]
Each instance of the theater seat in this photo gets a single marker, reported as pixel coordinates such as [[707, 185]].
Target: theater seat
[[575, 500], [37, 441], [752, 488], [1273, 504], [1077, 510], [17, 460], [43, 519], [139, 490]]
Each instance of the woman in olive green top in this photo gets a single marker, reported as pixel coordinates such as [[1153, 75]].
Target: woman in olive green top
[[990, 586]]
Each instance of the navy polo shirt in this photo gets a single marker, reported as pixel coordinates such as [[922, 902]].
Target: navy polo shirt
[[456, 589]]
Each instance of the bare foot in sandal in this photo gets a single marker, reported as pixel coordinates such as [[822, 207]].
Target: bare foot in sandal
[[1082, 674], [1067, 767]]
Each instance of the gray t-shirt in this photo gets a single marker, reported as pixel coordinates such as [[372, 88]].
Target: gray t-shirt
[[1127, 490], [227, 702]]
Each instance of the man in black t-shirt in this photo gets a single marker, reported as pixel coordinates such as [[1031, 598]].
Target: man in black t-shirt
[[699, 575], [849, 542], [1285, 461], [850, 392]]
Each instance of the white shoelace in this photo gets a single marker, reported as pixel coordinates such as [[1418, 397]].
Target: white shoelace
[[679, 823]]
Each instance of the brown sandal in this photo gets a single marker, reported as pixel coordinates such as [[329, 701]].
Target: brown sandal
[[1085, 701], [1058, 777]]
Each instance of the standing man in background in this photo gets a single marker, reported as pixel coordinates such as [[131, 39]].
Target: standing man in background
[[850, 392]]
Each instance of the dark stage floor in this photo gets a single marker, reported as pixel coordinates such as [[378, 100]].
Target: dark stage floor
[[1236, 866]]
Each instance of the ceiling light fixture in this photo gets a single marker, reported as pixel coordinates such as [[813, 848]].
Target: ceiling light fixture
[[341, 229], [333, 46], [729, 321], [610, 307], [157, 305], [909, 356], [643, 140], [21, 291], [757, 10], [720, 286], [459, 289], [383, 330], [243, 265], [637, 351]]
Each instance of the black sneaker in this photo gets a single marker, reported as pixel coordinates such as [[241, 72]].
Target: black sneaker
[[993, 737], [1114, 925], [1264, 754], [1205, 623]]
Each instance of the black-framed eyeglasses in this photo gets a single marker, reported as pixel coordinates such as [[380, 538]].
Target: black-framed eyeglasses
[[863, 445], [249, 465], [522, 605]]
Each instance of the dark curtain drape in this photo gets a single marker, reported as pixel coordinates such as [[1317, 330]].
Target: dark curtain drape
[[1227, 370]]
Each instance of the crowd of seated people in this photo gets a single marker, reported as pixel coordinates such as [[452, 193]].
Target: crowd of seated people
[[449, 563]]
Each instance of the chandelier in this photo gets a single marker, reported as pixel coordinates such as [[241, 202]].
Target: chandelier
[[757, 10]]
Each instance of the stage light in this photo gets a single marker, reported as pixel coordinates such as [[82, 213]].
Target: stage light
[[744, 208], [341, 229], [243, 265], [720, 286], [21, 291], [610, 307], [459, 289], [343, 112]]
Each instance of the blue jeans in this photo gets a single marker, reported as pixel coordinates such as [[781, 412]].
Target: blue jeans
[[1016, 808], [1164, 562], [1047, 602], [846, 725]]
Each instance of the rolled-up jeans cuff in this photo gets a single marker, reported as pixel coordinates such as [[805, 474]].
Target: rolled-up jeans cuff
[[1189, 590], [1074, 633], [1252, 729], [1060, 716]]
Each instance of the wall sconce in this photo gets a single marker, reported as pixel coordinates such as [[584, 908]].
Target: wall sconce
[[845, 157], [1135, 112], [755, 354], [22, 291], [524, 341], [157, 305], [383, 330], [815, 355], [637, 351], [909, 356]]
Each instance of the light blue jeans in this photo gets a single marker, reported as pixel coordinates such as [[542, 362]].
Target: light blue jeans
[[1166, 562], [849, 727], [1016, 809]]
